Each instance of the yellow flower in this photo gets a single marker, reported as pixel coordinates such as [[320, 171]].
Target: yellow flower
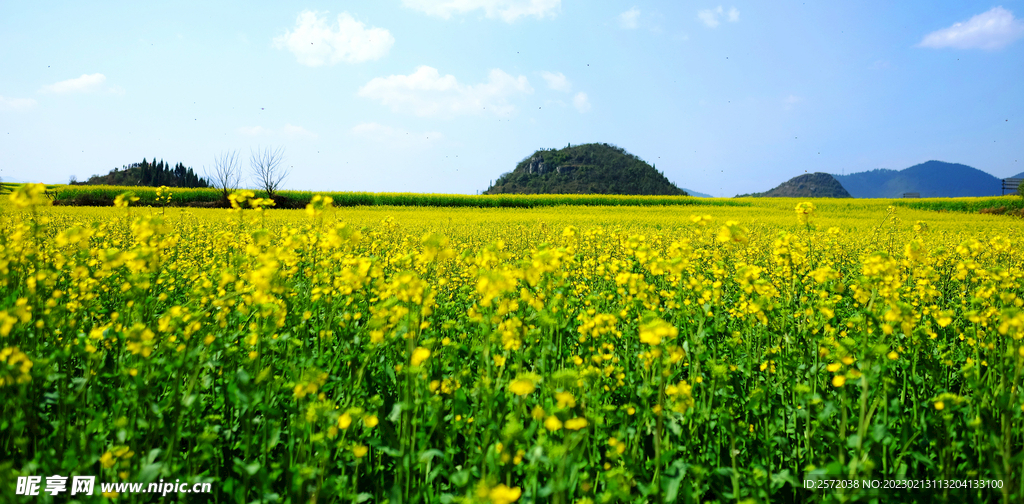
[[654, 331], [28, 195], [576, 423], [838, 381], [124, 199], [565, 400], [732, 233], [107, 460], [553, 423], [522, 387], [18, 367], [537, 412], [371, 421], [499, 360], [804, 211], [359, 451], [701, 220], [419, 355], [502, 494], [344, 421], [939, 405]]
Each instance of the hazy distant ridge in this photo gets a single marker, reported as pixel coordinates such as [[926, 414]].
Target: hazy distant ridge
[[933, 179]]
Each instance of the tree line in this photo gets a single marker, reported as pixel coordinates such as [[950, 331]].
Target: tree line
[[266, 172], [147, 173]]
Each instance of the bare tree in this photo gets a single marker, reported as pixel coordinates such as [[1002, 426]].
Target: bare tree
[[227, 172], [267, 172]]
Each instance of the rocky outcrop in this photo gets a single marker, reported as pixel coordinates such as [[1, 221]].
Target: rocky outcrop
[[537, 166]]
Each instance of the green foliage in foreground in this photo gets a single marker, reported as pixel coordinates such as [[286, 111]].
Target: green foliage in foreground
[[104, 196]]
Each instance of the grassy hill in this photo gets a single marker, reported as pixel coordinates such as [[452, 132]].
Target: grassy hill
[[809, 185], [596, 168], [934, 179]]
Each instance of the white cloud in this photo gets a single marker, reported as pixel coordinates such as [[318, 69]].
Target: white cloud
[[298, 132], [395, 137], [316, 42], [426, 93], [83, 84], [628, 19], [254, 131], [557, 81], [16, 103], [709, 17], [581, 102], [993, 29], [712, 17], [507, 10]]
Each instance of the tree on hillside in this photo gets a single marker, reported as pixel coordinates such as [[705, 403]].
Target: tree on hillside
[[150, 173], [227, 172], [267, 172]]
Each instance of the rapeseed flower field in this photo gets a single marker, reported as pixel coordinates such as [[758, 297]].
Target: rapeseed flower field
[[562, 354]]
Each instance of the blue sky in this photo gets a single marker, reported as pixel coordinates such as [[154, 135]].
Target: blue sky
[[445, 95]]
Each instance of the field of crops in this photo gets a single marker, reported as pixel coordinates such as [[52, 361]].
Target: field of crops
[[560, 354], [91, 195]]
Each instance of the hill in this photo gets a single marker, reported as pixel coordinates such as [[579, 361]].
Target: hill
[[809, 185], [153, 174], [934, 179], [696, 194], [596, 168]]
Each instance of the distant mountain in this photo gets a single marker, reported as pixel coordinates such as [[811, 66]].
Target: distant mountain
[[934, 179], [596, 168], [696, 194], [1019, 175], [808, 185]]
